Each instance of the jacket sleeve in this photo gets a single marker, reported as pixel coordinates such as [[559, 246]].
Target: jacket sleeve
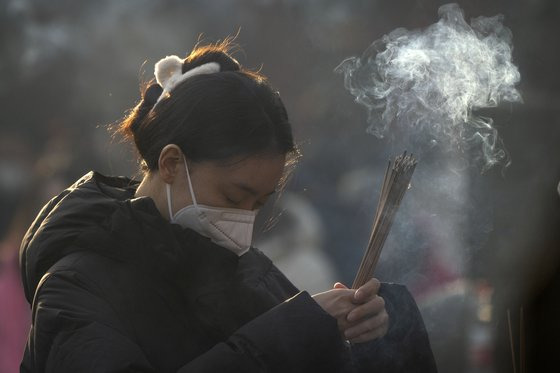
[[406, 346], [295, 336], [75, 330]]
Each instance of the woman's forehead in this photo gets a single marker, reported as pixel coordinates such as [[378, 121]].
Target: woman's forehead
[[257, 173]]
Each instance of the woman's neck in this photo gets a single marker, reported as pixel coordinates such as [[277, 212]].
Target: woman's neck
[[150, 187]]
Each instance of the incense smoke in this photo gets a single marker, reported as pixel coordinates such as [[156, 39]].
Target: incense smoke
[[424, 87]]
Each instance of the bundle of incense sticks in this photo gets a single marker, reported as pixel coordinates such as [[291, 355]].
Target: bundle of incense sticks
[[396, 182]]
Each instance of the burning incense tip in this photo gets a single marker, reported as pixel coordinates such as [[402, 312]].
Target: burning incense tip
[[395, 184]]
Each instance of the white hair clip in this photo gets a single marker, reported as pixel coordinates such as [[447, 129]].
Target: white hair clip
[[168, 72]]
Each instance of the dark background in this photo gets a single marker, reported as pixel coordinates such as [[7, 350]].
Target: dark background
[[70, 68]]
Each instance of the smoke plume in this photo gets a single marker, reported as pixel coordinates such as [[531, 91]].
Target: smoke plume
[[424, 87]]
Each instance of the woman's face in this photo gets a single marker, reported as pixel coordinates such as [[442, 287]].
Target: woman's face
[[245, 184]]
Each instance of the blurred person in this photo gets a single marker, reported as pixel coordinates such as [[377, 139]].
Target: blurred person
[[160, 275], [24, 188], [15, 171], [15, 315]]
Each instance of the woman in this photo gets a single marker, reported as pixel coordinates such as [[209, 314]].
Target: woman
[[160, 276]]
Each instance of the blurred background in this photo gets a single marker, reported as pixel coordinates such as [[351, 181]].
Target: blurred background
[[470, 247]]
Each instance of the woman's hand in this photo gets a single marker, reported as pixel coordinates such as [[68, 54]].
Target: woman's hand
[[368, 320], [360, 313], [337, 302]]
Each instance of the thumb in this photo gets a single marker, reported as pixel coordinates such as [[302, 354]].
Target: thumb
[[339, 285]]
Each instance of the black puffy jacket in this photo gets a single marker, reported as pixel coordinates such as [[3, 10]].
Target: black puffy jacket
[[115, 288]]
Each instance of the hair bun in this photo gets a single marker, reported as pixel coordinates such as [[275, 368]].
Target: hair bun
[[151, 94], [208, 54], [149, 98]]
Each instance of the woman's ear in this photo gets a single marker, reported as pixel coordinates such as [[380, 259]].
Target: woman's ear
[[170, 159]]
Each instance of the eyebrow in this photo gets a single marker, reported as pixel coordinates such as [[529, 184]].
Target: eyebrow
[[250, 190]]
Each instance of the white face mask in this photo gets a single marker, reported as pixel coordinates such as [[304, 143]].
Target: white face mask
[[227, 227]]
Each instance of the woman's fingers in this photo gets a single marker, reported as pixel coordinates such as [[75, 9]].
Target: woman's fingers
[[370, 336], [336, 302], [367, 291], [368, 329], [360, 313], [372, 307], [339, 285]]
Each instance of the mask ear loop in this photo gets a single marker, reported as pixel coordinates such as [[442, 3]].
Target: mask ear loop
[[168, 191], [190, 184]]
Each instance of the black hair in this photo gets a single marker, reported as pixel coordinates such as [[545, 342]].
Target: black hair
[[219, 116]]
